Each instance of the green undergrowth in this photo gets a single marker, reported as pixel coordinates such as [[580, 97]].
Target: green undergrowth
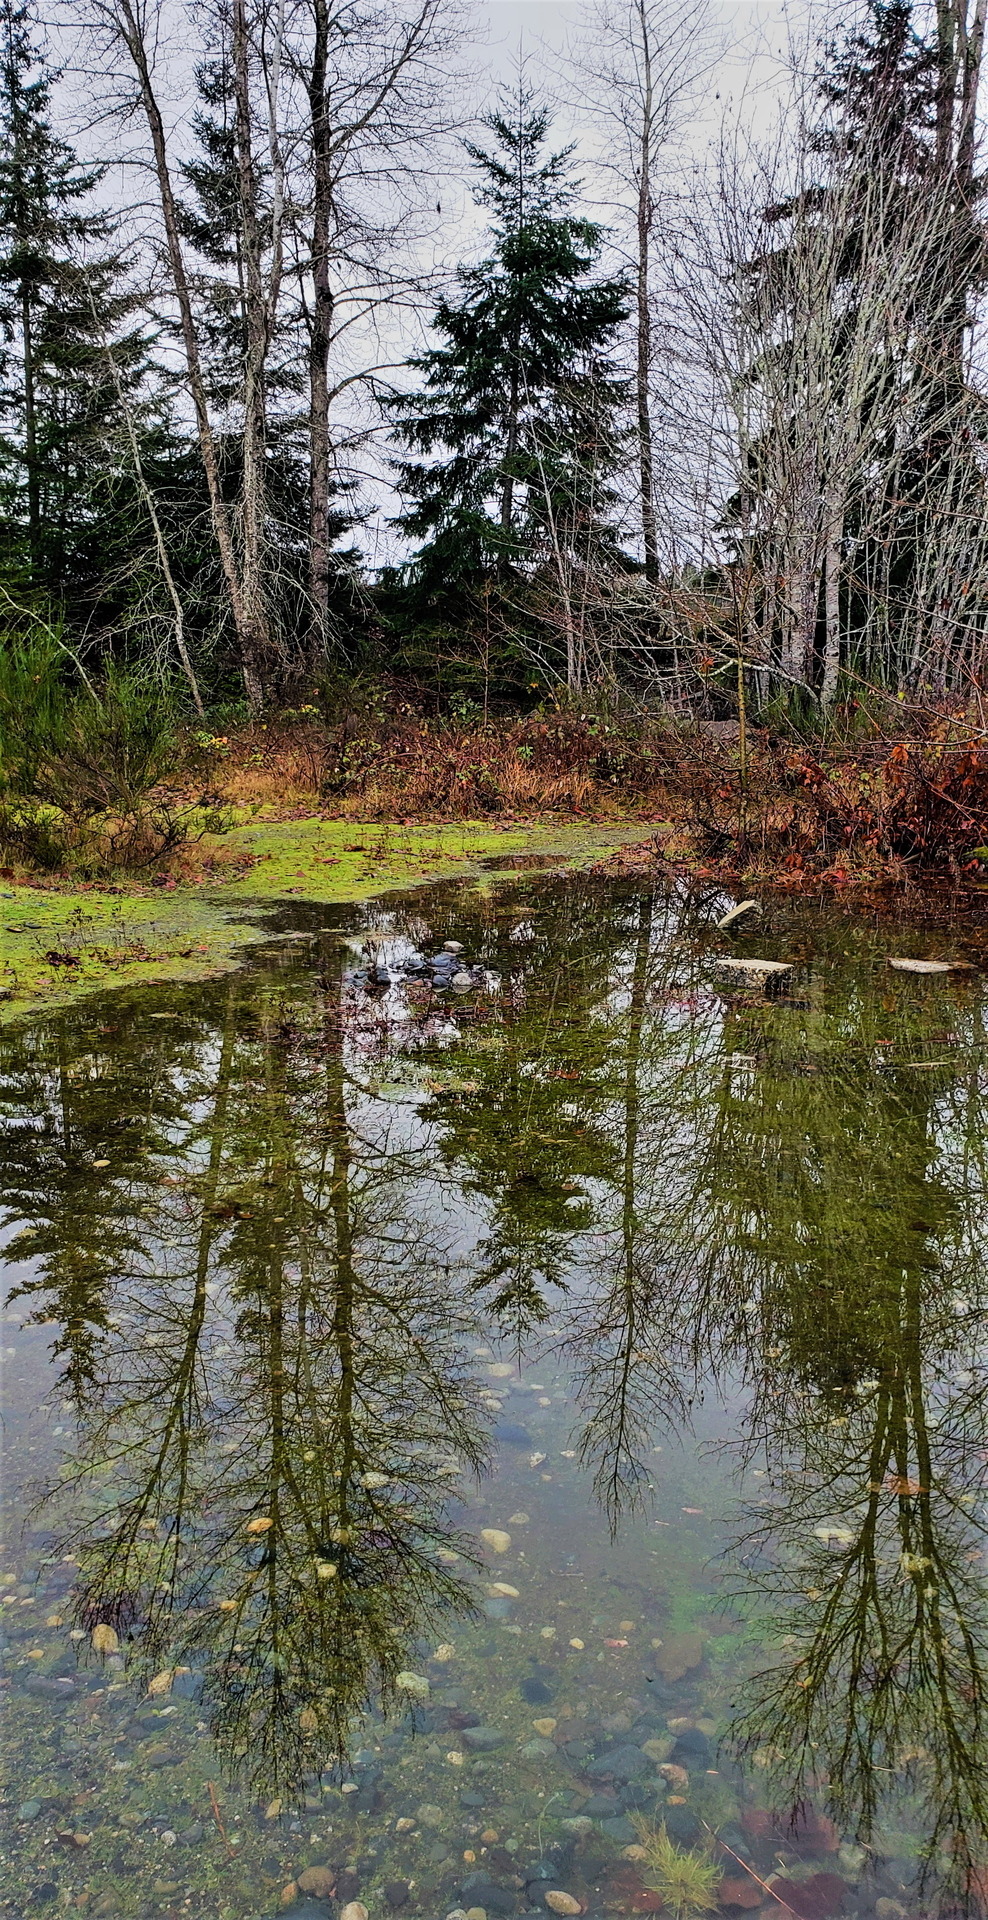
[[59, 943]]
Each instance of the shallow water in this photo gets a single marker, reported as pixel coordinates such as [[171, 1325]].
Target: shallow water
[[450, 1443]]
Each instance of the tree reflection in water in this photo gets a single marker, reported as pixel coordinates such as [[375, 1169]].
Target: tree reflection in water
[[264, 1482], [805, 1228], [266, 1310]]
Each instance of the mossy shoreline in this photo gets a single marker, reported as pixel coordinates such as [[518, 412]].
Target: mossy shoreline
[[60, 943]]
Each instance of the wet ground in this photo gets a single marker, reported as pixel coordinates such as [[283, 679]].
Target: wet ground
[[508, 1448]]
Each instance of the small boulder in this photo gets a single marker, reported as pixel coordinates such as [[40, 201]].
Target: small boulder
[[813, 1899], [320, 1881], [737, 1890], [622, 1763], [414, 1684], [692, 1749], [679, 1654], [482, 1739]]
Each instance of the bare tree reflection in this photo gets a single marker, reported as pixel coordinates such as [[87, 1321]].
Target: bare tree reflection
[[800, 1224], [267, 1468]]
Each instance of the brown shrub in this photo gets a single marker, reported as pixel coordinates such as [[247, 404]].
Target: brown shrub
[[407, 765], [918, 805]]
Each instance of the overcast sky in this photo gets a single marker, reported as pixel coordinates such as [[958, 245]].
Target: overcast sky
[[754, 34]]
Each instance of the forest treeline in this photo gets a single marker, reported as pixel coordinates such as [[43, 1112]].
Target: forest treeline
[[725, 441]]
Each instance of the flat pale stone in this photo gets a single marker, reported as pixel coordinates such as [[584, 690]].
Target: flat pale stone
[[922, 966], [734, 915], [754, 973], [496, 1539]]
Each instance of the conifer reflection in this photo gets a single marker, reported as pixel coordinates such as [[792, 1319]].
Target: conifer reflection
[[801, 1223], [267, 1467], [866, 1564], [269, 1295], [527, 1132]]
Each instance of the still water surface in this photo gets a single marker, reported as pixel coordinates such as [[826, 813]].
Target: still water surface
[[453, 1442]]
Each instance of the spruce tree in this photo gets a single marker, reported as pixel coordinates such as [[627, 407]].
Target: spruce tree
[[516, 416], [63, 304]]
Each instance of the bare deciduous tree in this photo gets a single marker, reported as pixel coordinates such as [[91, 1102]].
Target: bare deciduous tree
[[370, 73], [132, 27], [640, 72]]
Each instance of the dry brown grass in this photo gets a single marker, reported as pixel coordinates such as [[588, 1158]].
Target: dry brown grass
[[885, 807], [411, 767]]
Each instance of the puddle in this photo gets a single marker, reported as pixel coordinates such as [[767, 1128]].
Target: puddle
[[518, 1449]]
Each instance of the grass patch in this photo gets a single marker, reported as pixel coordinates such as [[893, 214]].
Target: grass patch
[[58, 944]]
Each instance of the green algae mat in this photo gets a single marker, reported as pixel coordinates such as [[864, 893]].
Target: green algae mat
[[57, 944]]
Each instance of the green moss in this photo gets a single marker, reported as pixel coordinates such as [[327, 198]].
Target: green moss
[[336, 860], [59, 943]]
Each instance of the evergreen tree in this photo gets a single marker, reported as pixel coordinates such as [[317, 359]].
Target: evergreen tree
[[63, 305], [210, 220], [516, 415]]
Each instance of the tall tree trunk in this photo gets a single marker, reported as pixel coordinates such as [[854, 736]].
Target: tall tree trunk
[[254, 481], [129, 30], [646, 459], [510, 450], [31, 436], [643, 314], [319, 342], [951, 17], [807, 607], [973, 56], [831, 604]]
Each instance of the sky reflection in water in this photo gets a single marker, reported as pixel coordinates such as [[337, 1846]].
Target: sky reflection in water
[[679, 1293]]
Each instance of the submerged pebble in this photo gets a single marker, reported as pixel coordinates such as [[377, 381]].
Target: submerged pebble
[[318, 1880], [537, 1692], [482, 1739]]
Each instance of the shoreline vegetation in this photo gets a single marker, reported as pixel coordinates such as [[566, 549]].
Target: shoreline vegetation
[[645, 496], [62, 939], [890, 813]]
